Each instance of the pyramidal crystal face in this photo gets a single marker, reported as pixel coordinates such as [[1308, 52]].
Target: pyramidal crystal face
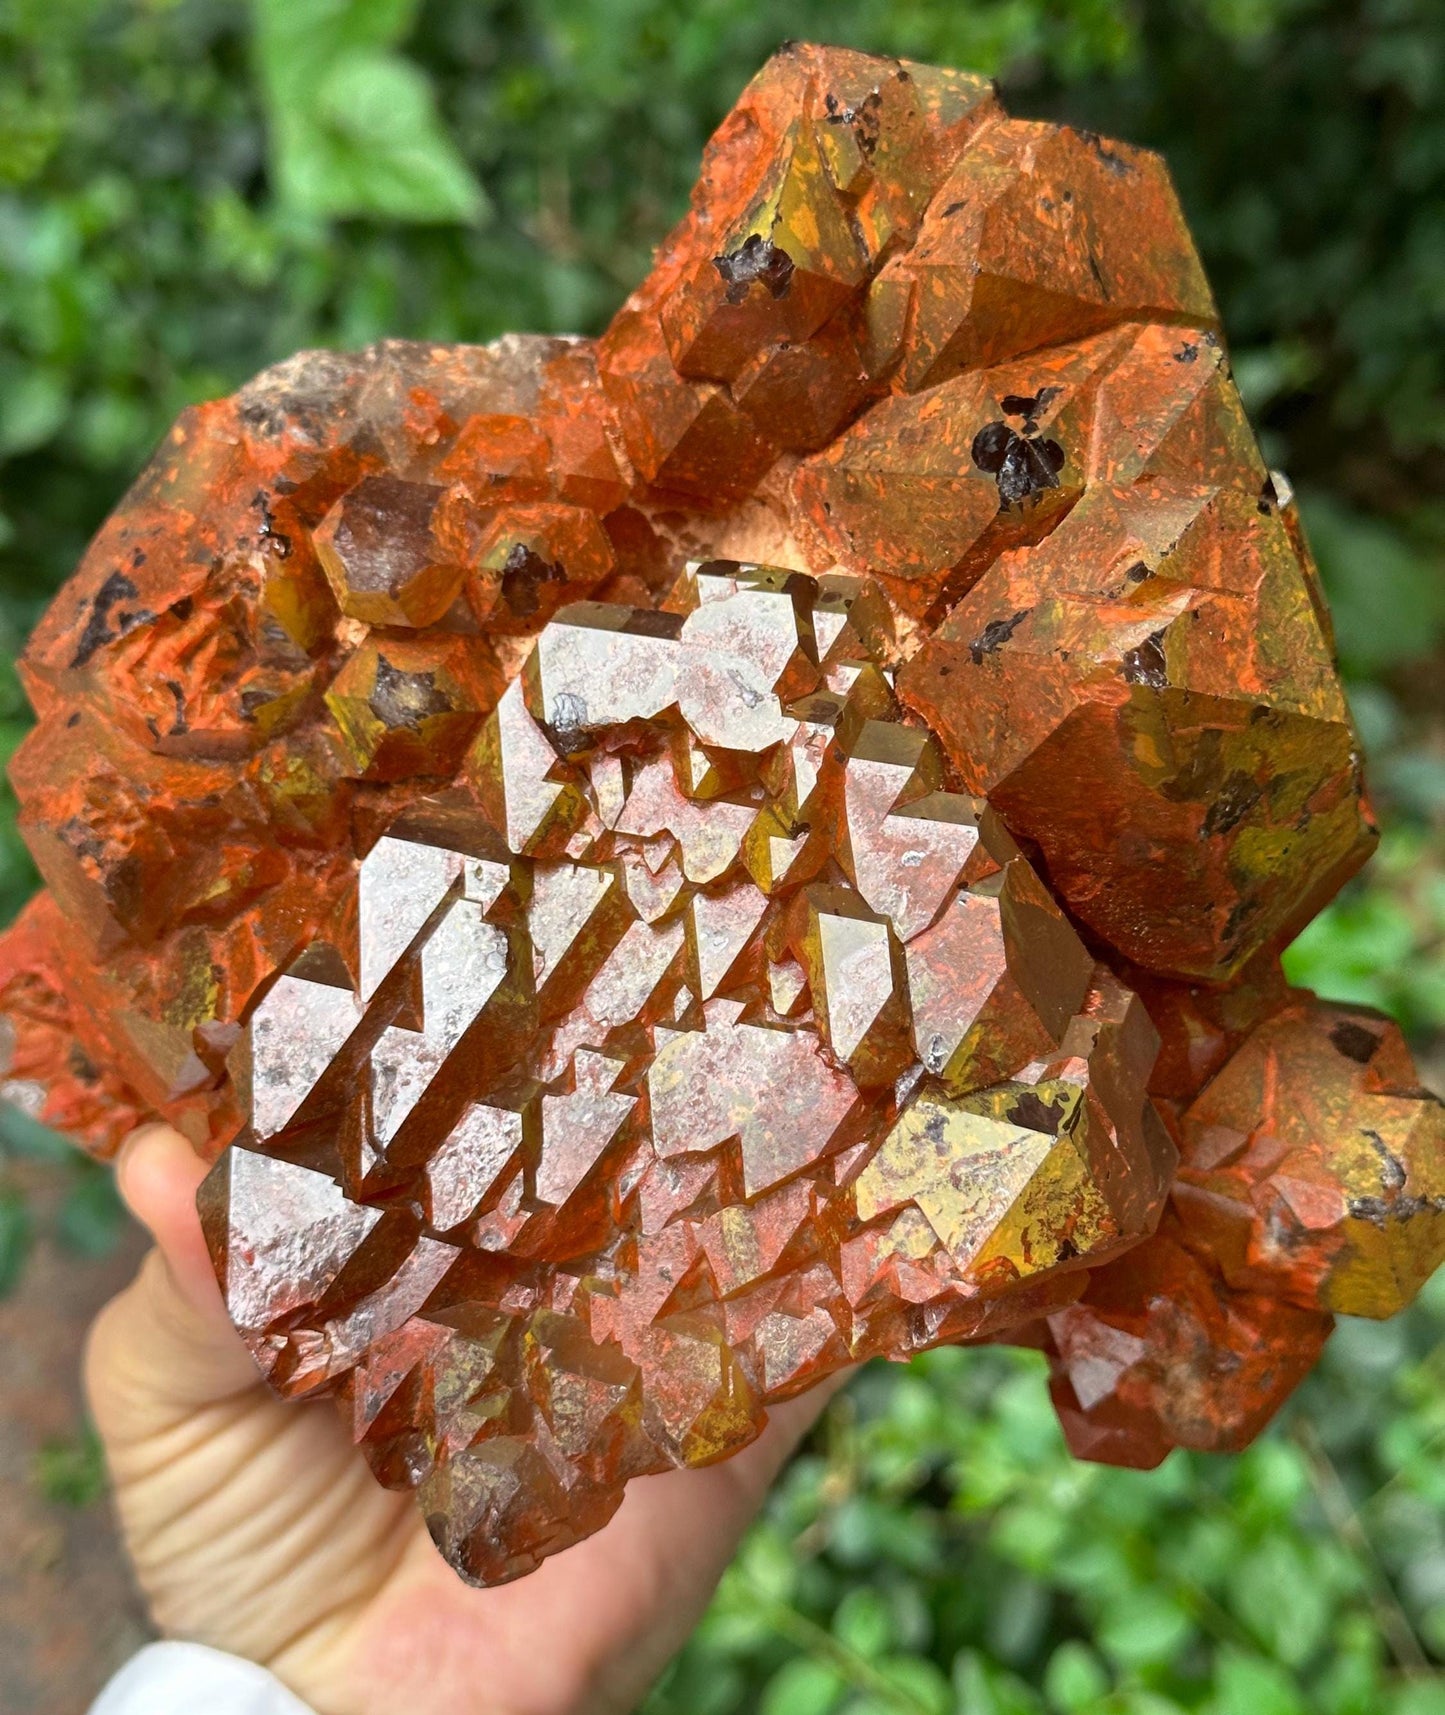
[[665, 867]]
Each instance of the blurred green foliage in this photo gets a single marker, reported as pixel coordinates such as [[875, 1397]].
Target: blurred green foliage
[[936, 1552], [192, 188], [70, 1470], [80, 1208]]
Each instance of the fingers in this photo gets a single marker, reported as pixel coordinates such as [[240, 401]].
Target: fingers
[[631, 1594], [165, 1345], [680, 1531], [184, 1417], [684, 1526], [158, 1175]]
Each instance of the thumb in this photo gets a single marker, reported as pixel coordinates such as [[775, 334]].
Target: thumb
[[158, 1175], [165, 1345]]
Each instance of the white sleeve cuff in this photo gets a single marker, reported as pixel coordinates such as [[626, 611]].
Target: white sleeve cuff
[[191, 1679]]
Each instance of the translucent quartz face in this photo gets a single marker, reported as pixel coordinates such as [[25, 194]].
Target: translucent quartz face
[[673, 864]]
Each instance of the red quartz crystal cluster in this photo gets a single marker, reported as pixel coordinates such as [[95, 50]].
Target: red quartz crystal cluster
[[666, 866]]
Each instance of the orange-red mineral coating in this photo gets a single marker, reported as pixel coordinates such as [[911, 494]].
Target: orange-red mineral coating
[[1314, 1164], [1312, 1181], [54, 1063], [640, 990], [1160, 1353], [1148, 692]]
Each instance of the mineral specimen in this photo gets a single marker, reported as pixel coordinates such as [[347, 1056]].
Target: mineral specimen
[[662, 868]]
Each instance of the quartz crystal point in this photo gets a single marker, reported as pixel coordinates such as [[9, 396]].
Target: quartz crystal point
[[662, 867]]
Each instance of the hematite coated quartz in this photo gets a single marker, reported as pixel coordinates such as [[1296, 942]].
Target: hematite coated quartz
[[664, 867]]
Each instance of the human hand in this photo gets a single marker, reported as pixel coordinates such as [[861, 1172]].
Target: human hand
[[256, 1527]]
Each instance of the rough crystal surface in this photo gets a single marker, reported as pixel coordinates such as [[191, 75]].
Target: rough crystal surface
[[662, 867]]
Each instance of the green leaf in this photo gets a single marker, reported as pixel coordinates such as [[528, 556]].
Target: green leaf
[[802, 1687], [979, 1689], [920, 1683], [1386, 590], [354, 125], [1019, 1614], [15, 1236], [973, 1693], [1279, 1595], [766, 1568], [863, 1622], [1074, 1678], [351, 23], [1422, 1698], [33, 403], [1250, 1686], [1146, 1627], [730, 1628], [1380, 943], [384, 152]]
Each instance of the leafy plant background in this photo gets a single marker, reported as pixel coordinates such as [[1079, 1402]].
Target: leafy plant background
[[192, 188]]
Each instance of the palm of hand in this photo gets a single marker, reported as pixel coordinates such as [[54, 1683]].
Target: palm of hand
[[256, 1527]]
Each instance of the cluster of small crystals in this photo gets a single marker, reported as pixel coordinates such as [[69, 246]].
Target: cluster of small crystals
[[1311, 1180], [638, 991], [703, 1043]]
